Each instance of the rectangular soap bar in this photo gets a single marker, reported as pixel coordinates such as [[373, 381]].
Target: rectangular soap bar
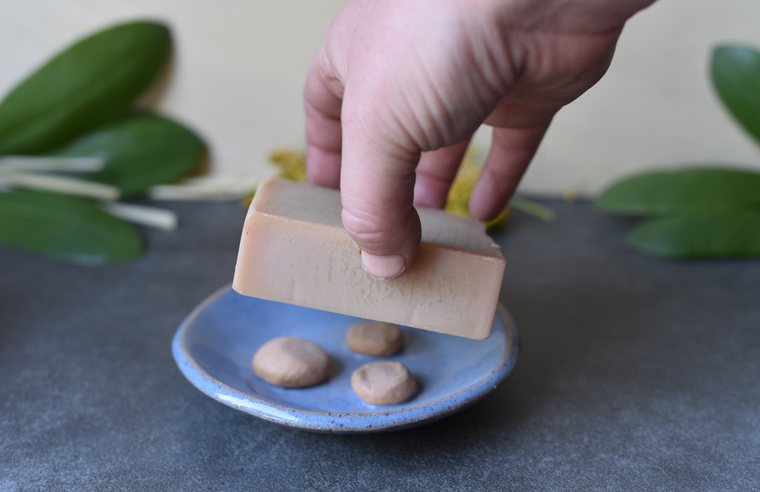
[[294, 249]]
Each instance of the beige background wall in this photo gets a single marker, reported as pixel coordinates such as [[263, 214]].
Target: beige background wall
[[240, 66]]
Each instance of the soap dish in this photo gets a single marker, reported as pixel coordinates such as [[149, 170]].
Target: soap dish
[[214, 346]]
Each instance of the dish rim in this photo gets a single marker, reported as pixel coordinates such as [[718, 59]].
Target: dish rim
[[316, 421]]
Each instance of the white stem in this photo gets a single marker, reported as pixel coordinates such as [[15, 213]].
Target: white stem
[[60, 184], [140, 214], [40, 163], [206, 188]]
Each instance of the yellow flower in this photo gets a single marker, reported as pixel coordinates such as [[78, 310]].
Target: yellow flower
[[292, 164], [458, 200]]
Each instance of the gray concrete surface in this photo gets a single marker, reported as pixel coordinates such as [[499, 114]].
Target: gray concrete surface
[[635, 374]]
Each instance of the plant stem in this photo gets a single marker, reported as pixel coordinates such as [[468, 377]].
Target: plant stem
[[37, 163], [158, 218], [532, 208], [59, 184]]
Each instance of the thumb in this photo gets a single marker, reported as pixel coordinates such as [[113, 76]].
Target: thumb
[[377, 187]]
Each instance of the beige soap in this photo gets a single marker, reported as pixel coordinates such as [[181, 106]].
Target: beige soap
[[374, 338], [291, 362], [294, 249], [383, 382]]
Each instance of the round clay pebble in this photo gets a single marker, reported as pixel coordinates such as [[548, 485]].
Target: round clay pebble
[[383, 382], [374, 338], [291, 362]]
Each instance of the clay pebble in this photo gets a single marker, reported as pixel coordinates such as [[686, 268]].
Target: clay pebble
[[374, 338], [291, 362], [383, 382]]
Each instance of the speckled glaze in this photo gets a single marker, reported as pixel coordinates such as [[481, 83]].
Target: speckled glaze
[[215, 344]]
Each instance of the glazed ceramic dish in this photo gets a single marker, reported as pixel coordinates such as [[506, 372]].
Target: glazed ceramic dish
[[214, 347]]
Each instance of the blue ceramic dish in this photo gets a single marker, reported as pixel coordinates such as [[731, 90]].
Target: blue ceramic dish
[[214, 348]]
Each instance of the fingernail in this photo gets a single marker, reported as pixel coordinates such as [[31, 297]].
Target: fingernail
[[383, 267]]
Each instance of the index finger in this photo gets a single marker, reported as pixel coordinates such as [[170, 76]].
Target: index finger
[[322, 104], [377, 189]]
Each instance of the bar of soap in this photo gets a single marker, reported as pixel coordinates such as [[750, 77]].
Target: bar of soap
[[291, 362], [294, 249], [383, 382], [374, 338]]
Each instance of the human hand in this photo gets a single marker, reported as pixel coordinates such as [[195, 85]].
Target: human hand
[[398, 87]]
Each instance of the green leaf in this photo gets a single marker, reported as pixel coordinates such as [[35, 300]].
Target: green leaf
[[93, 82], [140, 151], [736, 76], [660, 192], [700, 235], [65, 228]]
